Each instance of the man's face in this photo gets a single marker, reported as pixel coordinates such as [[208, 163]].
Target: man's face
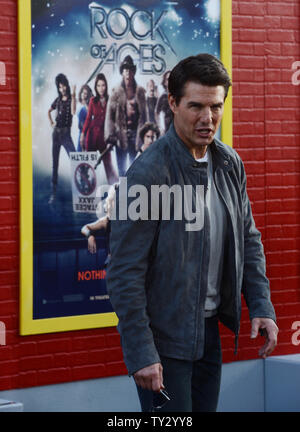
[[128, 75], [151, 88], [149, 138], [198, 115]]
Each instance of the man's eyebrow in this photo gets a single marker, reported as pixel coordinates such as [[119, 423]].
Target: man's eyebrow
[[218, 104], [192, 103], [200, 105]]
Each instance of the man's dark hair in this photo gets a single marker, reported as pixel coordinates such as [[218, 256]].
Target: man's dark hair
[[204, 69], [149, 126], [62, 79]]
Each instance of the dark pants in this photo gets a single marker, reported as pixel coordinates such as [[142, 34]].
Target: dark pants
[[191, 385], [122, 154], [60, 137]]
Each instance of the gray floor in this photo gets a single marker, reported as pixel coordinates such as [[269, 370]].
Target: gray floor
[[248, 386]]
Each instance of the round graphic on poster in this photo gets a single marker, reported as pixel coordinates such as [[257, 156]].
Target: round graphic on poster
[[85, 179]]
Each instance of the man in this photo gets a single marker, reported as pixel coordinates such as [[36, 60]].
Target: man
[[126, 113], [149, 133], [151, 101], [169, 285], [65, 106]]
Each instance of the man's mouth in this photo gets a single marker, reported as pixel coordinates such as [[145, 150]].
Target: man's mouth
[[204, 132]]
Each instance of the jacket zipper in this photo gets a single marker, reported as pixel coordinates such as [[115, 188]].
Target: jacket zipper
[[199, 304], [236, 324]]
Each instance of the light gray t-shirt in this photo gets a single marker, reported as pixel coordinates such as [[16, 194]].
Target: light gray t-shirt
[[218, 227]]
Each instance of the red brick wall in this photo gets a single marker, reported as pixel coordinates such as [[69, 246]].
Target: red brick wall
[[266, 128], [266, 134]]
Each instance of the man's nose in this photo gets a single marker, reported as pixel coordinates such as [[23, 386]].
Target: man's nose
[[206, 115]]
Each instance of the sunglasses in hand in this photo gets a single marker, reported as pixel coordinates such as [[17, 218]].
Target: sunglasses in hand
[[160, 399]]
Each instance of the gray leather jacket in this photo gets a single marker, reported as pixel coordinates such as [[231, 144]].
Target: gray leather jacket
[[154, 276]]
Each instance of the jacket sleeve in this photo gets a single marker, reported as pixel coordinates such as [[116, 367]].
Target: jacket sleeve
[[130, 244], [255, 287]]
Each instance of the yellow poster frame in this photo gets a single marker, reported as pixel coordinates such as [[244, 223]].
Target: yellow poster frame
[[28, 325]]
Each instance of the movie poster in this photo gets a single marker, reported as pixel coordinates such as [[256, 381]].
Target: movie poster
[[99, 72]]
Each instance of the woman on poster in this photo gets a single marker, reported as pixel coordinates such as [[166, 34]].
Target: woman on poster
[[84, 97], [92, 136], [65, 107]]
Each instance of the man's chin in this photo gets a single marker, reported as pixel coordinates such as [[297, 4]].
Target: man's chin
[[205, 143], [205, 140]]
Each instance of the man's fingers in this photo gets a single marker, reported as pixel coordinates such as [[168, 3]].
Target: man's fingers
[[161, 378], [150, 377], [156, 383], [271, 342], [265, 350], [254, 328], [269, 346], [157, 380], [267, 328]]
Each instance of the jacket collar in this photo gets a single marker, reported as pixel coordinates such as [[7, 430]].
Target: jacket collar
[[220, 156]]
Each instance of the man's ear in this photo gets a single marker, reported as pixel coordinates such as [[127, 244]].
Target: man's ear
[[172, 102]]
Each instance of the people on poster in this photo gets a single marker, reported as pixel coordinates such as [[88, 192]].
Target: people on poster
[[65, 106], [154, 47], [90, 230], [92, 136], [106, 121], [126, 113], [148, 134], [151, 100], [164, 115], [84, 97]]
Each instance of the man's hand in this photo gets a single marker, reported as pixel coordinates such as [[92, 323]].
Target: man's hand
[[270, 330], [150, 377]]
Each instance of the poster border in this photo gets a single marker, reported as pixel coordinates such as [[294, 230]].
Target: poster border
[[28, 325]]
